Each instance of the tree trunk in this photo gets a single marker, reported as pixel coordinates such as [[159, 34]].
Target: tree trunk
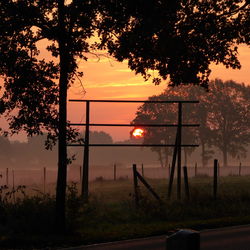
[[225, 142], [62, 147], [185, 157], [224, 157], [203, 155], [160, 158], [166, 156]]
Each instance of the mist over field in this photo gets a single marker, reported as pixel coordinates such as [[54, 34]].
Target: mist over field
[[27, 160]]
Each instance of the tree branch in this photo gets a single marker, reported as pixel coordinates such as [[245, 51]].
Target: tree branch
[[236, 10]]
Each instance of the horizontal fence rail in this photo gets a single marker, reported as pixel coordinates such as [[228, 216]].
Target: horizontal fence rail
[[132, 101], [34, 176], [177, 146], [132, 145], [132, 125]]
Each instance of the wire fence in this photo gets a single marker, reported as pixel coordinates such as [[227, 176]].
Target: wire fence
[[45, 176]]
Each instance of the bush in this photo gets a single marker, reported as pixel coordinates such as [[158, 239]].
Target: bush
[[21, 214]]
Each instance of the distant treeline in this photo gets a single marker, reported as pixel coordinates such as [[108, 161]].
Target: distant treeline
[[28, 154], [223, 113], [32, 154]]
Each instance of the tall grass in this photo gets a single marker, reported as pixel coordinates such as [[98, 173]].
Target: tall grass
[[111, 213], [28, 221]]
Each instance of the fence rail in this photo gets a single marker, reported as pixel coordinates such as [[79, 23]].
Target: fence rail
[[177, 146], [37, 176]]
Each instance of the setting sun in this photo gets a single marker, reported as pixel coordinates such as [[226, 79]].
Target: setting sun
[[138, 132]]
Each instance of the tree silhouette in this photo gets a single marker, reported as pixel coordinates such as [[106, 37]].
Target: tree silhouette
[[149, 113], [199, 114], [166, 114], [176, 39], [38, 153], [100, 137], [229, 117], [5, 151], [35, 90], [223, 114]]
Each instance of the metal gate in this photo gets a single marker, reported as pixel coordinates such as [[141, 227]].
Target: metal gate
[[177, 146]]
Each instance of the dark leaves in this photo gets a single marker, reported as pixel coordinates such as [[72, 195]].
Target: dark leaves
[[178, 39]]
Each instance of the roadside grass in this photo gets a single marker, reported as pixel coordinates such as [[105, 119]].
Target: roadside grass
[[120, 219], [111, 213]]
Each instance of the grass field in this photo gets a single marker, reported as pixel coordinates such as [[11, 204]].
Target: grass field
[[111, 213]]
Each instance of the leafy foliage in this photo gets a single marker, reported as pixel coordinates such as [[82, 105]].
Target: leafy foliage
[[229, 117], [178, 39], [34, 97], [223, 115], [30, 96]]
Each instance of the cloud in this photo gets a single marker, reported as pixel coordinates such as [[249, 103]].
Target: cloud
[[115, 84]]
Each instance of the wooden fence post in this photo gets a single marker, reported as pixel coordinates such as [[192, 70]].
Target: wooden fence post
[[171, 177], [240, 169], [186, 182], [44, 180], [179, 141], [150, 189], [85, 178], [218, 167], [195, 169], [13, 186], [142, 170], [215, 178], [80, 170], [7, 176], [13, 178], [136, 187], [114, 172]]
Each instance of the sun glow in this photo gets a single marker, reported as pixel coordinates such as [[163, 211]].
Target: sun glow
[[138, 133]]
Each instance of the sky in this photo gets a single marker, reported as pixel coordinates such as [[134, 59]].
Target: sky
[[104, 78]]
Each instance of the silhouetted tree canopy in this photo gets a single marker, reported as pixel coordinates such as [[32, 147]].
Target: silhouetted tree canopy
[[100, 137], [5, 151], [229, 117], [35, 90], [31, 82], [167, 113], [223, 114], [176, 39]]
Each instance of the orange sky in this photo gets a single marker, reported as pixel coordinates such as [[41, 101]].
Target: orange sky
[[104, 78]]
